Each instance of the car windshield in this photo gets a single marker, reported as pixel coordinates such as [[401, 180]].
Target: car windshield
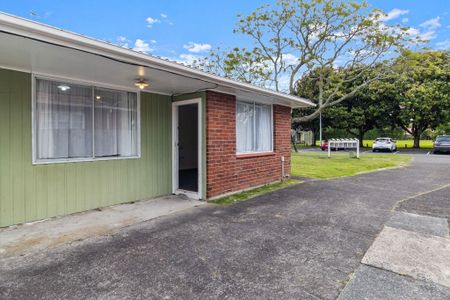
[[443, 139], [382, 140]]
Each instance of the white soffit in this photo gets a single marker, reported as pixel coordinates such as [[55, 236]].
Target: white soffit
[[37, 48]]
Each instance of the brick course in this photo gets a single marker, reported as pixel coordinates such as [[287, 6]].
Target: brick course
[[227, 172]]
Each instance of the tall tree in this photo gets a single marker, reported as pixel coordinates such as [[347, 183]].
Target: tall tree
[[420, 86], [293, 37]]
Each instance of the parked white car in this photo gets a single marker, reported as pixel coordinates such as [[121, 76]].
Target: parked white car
[[384, 144]]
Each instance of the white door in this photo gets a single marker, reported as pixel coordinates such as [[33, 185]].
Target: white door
[[186, 156]]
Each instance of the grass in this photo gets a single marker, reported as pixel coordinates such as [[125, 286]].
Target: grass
[[317, 165], [401, 144], [246, 195]]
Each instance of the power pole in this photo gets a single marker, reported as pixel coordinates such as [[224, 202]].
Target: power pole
[[320, 127]]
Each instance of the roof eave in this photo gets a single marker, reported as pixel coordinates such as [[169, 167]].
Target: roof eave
[[51, 34]]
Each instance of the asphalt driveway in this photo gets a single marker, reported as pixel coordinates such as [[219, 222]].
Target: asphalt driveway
[[302, 242]]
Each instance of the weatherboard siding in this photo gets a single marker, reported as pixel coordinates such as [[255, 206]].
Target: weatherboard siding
[[31, 192]]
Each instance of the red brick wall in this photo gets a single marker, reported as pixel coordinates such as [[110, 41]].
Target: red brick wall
[[227, 172]]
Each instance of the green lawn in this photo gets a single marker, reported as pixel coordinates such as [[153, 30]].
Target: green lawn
[[317, 165], [254, 192], [424, 144]]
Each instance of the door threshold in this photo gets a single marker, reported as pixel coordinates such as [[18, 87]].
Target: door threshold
[[189, 194]]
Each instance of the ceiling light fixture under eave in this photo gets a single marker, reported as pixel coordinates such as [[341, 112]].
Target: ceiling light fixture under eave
[[63, 87], [141, 83]]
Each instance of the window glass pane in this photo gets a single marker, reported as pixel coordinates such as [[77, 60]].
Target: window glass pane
[[63, 120], [115, 116], [244, 127], [263, 127]]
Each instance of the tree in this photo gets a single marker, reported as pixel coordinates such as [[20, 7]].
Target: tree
[[239, 63], [356, 115], [292, 37], [420, 89]]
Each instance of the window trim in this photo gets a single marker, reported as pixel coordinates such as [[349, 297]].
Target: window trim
[[272, 126], [92, 85]]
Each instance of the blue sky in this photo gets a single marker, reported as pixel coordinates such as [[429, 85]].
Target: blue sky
[[178, 29]]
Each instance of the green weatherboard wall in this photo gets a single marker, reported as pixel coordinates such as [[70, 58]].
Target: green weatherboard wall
[[32, 192]]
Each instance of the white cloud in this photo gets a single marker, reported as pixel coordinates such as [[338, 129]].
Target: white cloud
[[432, 24], [122, 41], [444, 45], [188, 59], [394, 14], [139, 45], [164, 16], [290, 59], [151, 21], [428, 35], [405, 20], [197, 48], [423, 36], [412, 31], [427, 31], [142, 46]]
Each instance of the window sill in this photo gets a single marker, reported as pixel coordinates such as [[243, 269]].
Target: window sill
[[252, 155], [80, 160]]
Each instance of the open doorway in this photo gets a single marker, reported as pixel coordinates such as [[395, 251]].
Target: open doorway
[[187, 140], [188, 147]]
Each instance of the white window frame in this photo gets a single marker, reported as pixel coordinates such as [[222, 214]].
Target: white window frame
[[92, 85], [254, 129]]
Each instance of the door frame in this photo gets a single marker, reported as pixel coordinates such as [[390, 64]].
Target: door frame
[[175, 157]]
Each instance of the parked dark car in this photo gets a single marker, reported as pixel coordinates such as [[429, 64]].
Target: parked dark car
[[441, 144]]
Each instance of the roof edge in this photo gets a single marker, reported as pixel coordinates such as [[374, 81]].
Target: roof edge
[[33, 29]]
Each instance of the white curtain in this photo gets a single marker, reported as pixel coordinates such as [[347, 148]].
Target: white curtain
[[263, 128], [63, 120], [115, 116], [128, 145], [253, 127], [245, 127]]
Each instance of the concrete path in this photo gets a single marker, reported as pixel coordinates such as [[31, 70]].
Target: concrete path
[[371, 283], [303, 242], [410, 260], [27, 238], [420, 256], [418, 223]]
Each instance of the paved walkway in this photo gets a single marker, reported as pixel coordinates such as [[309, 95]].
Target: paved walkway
[[410, 259], [303, 242], [42, 235]]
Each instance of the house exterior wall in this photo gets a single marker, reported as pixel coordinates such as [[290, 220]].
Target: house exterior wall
[[31, 192], [228, 172]]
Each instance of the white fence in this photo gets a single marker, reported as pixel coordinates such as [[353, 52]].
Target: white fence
[[343, 144]]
